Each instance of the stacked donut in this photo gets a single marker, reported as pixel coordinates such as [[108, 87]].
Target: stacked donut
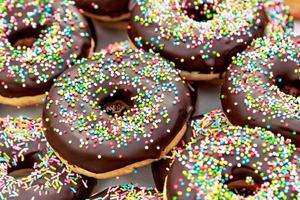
[[262, 87], [38, 41], [232, 162], [129, 105], [119, 102], [233, 154], [201, 36]]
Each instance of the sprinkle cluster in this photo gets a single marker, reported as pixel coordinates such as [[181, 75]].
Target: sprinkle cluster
[[130, 191], [16, 139], [253, 75], [232, 18], [151, 82], [211, 123], [57, 45], [208, 124], [206, 163]]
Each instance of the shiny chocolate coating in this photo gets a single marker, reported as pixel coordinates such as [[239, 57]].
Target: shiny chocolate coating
[[253, 92], [224, 29], [79, 128], [232, 162], [38, 41], [111, 8]]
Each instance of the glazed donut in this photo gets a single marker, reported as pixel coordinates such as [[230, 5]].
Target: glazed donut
[[30, 170], [262, 87], [104, 10], [232, 162], [128, 191], [38, 41], [201, 36], [118, 111]]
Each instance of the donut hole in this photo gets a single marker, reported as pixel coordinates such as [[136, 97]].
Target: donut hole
[[26, 37], [200, 12], [23, 168], [244, 182], [118, 104], [291, 88]]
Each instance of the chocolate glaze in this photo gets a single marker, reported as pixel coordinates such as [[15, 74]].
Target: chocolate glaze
[[33, 156], [226, 46], [238, 113], [202, 12], [80, 46], [160, 169], [234, 171], [92, 31], [86, 157], [111, 8]]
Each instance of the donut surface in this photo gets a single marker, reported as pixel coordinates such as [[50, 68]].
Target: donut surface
[[202, 36], [104, 8], [23, 146], [120, 110], [38, 41], [128, 191], [231, 162], [262, 87], [160, 169]]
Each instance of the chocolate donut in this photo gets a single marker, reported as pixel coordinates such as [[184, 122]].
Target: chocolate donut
[[29, 168], [38, 41], [104, 10], [262, 87], [161, 168], [201, 36], [120, 110], [231, 162], [128, 191]]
